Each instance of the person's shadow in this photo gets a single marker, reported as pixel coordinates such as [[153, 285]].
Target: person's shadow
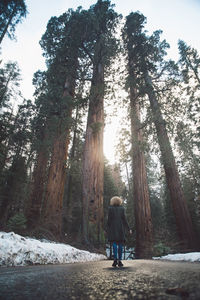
[[118, 269]]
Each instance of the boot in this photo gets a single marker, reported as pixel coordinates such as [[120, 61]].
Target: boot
[[114, 263], [120, 264]]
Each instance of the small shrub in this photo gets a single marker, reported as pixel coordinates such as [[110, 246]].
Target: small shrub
[[17, 223], [160, 249]]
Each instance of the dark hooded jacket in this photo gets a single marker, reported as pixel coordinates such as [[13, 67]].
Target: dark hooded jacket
[[116, 224]]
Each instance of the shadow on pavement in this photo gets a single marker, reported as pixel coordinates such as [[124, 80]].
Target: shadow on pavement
[[117, 269]]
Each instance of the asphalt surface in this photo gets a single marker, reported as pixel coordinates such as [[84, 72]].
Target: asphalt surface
[[138, 279]]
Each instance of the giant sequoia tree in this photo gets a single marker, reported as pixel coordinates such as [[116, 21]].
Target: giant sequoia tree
[[100, 47], [150, 64], [144, 230], [62, 75], [61, 49]]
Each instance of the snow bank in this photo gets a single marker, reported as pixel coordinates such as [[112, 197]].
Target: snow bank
[[192, 257], [16, 250]]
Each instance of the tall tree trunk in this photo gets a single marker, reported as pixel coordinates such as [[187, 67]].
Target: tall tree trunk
[[184, 224], [69, 204], [53, 202], [93, 162], [144, 228]]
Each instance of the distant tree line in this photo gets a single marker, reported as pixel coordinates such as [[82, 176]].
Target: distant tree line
[[54, 179]]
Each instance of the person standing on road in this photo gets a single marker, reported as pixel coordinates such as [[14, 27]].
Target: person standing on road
[[116, 226]]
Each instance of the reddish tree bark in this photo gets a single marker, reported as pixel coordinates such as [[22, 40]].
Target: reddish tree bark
[[143, 221], [53, 202], [93, 162]]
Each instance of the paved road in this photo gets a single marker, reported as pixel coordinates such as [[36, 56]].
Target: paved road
[[138, 279]]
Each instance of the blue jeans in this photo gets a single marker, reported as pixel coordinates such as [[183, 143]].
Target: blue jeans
[[117, 248]]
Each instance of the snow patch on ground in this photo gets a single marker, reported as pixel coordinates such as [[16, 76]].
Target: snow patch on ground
[[191, 257], [16, 250]]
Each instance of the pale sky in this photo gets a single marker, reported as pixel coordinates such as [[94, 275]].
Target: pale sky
[[179, 19]]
